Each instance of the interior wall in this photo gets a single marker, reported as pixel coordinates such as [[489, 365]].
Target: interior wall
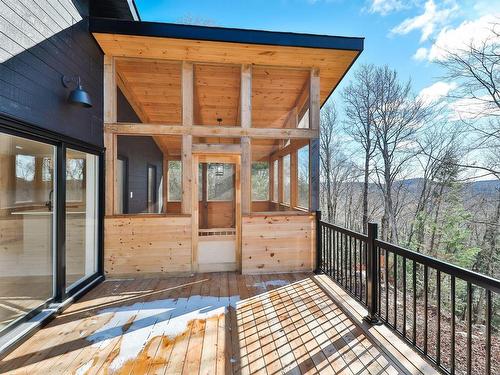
[[41, 43], [139, 153]]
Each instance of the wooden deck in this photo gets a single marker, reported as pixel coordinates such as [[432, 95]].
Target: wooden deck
[[219, 323]]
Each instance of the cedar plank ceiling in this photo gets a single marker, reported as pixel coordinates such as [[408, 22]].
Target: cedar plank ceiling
[[148, 65]]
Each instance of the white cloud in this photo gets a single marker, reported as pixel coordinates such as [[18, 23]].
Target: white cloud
[[385, 7], [472, 108], [421, 54], [456, 39], [427, 22], [436, 91]]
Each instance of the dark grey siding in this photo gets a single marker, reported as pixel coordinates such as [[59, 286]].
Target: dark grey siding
[[139, 153], [40, 41]]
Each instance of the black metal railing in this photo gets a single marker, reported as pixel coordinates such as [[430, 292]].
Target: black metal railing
[[446, 312]]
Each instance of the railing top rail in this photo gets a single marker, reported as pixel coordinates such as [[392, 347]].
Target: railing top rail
[[359, 236], [475, 278]]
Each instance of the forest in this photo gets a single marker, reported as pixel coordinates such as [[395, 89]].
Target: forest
[[427, 170]]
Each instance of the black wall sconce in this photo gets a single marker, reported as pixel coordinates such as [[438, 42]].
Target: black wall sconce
[[78, 96]]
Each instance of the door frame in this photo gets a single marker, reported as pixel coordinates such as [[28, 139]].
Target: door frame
[[213, 158]]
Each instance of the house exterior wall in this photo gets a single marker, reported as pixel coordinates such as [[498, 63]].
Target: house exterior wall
[[42, 40]]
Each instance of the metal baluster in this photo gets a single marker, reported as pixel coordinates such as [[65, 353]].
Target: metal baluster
[[438, 296], [395, 307], [489, 313], [356, 267], [426, 301], [452, 354], [414, 328], [386, 286], [469, 328], [350, 263], [404, 296]]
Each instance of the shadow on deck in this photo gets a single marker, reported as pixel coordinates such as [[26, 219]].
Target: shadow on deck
[[219, 323]]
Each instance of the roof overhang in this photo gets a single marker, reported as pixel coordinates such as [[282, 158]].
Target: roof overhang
[[332, 55]]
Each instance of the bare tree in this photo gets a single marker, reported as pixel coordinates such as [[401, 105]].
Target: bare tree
[[360, 98], [335, 163], [397, 117]]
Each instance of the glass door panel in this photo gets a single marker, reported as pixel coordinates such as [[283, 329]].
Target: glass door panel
[[26, 226], [81, 215]]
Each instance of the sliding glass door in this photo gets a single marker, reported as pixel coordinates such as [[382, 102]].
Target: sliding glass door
[[81, 215], [49, 222], [26, 226]]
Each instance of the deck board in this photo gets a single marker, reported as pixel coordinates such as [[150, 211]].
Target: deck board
[[219, 323]]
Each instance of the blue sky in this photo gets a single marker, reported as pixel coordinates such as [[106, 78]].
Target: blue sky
[[394, 30]]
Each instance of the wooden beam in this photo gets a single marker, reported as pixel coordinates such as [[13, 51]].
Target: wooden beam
[[110, 155], [246, 96], [314, 99], [187, 174], [187, 93], [271, 179], [165, 183], [217, 148], [246, 175], [280, 181], [293, 146], [187, 139], [110, 113], [210, 131], [109, 89]]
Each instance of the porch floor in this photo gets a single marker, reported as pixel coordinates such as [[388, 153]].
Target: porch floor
[[219, 323]]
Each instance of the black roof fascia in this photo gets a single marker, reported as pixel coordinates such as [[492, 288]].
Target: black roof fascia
[[221, 34]]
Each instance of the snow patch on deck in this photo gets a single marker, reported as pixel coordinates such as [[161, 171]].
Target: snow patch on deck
[[142, 321]]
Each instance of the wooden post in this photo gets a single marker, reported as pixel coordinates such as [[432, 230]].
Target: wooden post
[[110, 116], [187, 139], [294, 179], [280, 181], [246, 96], [314, 99], [271, 180], [314, 149], [165, 184], [246, 147], [246, 175]]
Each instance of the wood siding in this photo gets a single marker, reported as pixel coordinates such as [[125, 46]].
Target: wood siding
[[41, 41], [277, 243], [147, 244]]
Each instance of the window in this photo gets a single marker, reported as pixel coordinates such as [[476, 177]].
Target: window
[[174, 181], [303, 177], [25, 178], [260, 181], [75, 169], [275, 181], [286, 179], [81, 215], [26, 256], [220, 182]]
